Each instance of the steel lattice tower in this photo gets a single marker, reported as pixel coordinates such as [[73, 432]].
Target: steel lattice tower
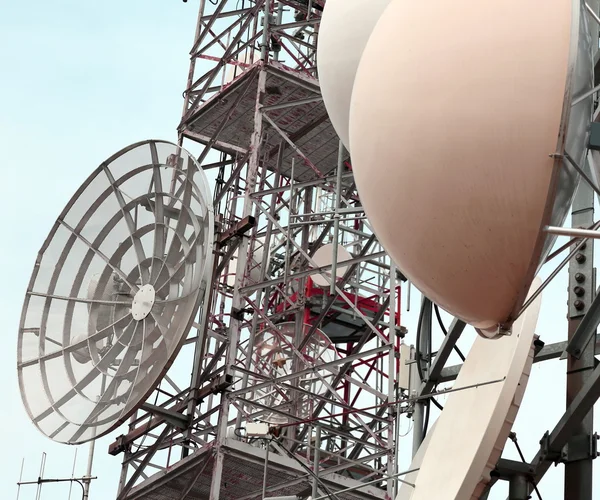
[[284, 188]]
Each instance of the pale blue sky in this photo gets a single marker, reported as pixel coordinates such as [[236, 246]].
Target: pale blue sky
[[78, 81]]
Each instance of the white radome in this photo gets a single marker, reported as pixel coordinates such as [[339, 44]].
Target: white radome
[[451, 148], [344, 31], [324, 257]]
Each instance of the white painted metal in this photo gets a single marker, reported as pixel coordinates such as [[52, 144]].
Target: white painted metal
[[344, 31], [115, 290], [476, 421], [405, 369], [143, 301], [406, 489], [255, 263], [324, 257], [451, 148], [274, 355]]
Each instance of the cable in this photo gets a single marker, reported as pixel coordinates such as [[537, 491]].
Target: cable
[[435, 402], [445, 332], [513, 437], [418, 341], [426, 420], [420, 368], [418, 354], [439, 318], [410, 428]]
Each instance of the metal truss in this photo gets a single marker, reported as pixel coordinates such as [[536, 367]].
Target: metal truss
[[319, 363]]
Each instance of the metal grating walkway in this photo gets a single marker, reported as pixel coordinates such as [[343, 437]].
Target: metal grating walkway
[[306, 124], [242, 478]]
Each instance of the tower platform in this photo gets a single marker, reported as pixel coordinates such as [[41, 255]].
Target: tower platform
[[292, 101], [243, 471]]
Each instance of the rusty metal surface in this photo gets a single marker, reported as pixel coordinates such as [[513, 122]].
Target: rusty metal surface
[[307, 124], [243, 470]]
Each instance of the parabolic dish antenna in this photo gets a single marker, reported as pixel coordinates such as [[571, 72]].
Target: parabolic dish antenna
[[492, 168], [476, 421], [275, 357], [114, 291], [343, 33], [324, 257]]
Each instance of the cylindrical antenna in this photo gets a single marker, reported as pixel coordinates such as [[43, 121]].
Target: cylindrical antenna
[[88, 474]]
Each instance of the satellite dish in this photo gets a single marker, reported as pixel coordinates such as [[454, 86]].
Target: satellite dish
[[477, 436], [324, 257], [114, 291], [468, 138], [343, 33], [274, 356]]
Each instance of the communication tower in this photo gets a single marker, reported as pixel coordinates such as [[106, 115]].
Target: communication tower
[[302, 330], [289, 317]]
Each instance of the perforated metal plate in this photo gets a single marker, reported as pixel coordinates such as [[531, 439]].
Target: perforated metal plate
[[114, 291]]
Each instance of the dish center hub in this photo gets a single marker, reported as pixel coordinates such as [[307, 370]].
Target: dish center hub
[[143, 302]]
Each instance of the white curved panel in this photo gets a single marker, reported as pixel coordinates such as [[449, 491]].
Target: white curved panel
[[324, 257], [477, 436], [405, 491], [343, 33], [451, 141]]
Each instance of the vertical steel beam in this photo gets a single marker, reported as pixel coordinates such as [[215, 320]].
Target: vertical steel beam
[[316, 463], [423, 360], [578, 470], [190, 80], [518, 488], [263, 269], [336, 217], [392, 436], [238, 300]]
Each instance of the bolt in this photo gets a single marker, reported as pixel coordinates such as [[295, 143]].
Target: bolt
[[579, 291], [580, 277], [580, 258], [579, 305], [583, 246]]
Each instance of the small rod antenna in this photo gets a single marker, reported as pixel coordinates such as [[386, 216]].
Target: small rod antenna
[[72, 473], [42, 468], [20, 478]]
